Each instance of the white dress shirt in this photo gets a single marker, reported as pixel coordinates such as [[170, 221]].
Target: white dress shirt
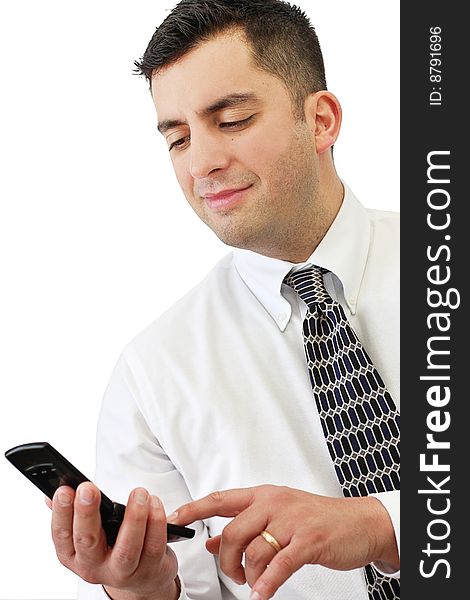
[[215, 394]]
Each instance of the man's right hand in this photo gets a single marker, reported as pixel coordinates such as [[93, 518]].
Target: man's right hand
[[140, 566]]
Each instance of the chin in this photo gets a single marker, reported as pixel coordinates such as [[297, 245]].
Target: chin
[[231, 237], [243, 240], [236, 229]]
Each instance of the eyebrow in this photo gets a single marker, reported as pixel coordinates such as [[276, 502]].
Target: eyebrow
[[229, 101]]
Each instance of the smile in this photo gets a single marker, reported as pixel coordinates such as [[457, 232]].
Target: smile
[[225, 198]]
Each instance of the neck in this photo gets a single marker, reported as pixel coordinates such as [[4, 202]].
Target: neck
[[299, 246]]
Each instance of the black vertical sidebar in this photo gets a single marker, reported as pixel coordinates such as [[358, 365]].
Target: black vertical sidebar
[[435, 267]]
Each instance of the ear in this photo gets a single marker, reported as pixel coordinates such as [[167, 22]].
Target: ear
[[323, 114]]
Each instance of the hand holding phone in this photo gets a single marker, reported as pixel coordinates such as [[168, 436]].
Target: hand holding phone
[[138, 562], [48, 470]]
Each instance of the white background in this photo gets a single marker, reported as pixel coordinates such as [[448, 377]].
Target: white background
[[95, 234]]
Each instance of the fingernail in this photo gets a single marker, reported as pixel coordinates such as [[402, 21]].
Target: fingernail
[[141, 496], [64, 499], [255, 596], [155, 502], [86, 495]]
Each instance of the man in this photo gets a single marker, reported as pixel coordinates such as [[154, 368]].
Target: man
[[216, 394]]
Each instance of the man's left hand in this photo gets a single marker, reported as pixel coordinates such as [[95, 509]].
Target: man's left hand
[[338, 533]]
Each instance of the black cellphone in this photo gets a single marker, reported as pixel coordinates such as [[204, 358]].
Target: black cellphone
[[48, 470]]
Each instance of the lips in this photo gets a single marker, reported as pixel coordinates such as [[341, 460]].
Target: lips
[[225, 198]]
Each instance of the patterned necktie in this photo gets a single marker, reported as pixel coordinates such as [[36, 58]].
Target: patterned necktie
[[358, 416]]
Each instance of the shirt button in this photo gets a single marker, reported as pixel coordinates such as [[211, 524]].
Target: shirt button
[[352, 300], [282, 317]]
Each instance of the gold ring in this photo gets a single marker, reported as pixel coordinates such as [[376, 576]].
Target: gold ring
[[271, 540]]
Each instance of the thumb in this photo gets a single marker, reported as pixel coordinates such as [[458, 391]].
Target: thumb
[[213, 544]]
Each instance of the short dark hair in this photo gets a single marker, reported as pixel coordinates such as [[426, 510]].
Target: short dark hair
[[282, 40]]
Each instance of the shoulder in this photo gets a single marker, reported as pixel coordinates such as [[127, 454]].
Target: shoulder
[[384, 219], [179, 323], [383, 260], [385, 231]]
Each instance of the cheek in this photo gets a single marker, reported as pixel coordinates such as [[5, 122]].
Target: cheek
[[258, 154], [183, 177]]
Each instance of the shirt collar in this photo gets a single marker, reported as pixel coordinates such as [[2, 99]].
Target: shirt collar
[[343, 251]]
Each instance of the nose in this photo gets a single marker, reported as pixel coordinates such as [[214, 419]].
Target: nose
[[208, 153]]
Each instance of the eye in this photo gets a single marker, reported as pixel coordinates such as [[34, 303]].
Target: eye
[[180, 142], [236, 124]]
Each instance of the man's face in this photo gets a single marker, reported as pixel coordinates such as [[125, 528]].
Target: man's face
[[246, 166]]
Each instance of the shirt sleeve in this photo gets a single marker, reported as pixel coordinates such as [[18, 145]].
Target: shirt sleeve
[[129, 455], [97, 592], [391, 501]]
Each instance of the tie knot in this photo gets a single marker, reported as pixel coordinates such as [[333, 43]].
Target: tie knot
[[308, 284]]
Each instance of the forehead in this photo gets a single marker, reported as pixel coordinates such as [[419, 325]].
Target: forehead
[[214, 69]]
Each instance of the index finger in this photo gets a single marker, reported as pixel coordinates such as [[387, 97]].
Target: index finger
[[226, 503]]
